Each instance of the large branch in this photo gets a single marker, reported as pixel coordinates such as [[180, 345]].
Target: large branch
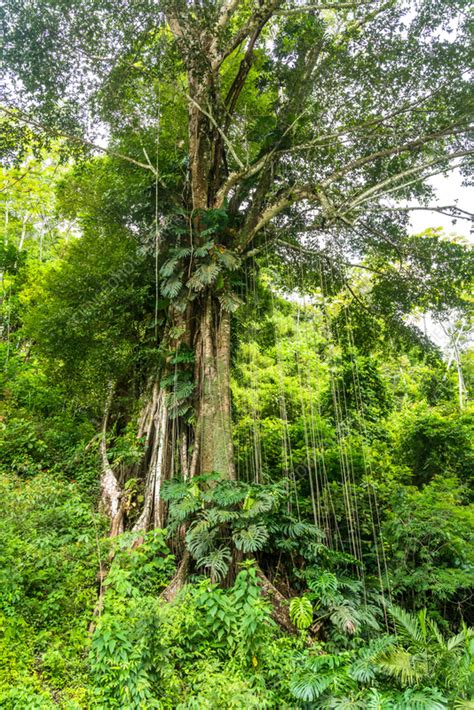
[[257, 21], [448, 210], [324, 140], [239, 175], [315, 194], [254, 168], [375, 189], [372, 123], [413, 181], [325, 6], [285, 200], [392, 150], [227, 10], [242, 74]]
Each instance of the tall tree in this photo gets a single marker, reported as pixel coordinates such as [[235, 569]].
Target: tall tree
[[267, 125]]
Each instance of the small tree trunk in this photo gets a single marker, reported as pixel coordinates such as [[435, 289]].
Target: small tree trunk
[[111, 492], [157, 438]]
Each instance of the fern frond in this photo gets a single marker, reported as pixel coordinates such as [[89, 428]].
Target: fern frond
[[230, 302], [204, 276], [230, 260], [203, 250], [169, 266], [181, 252]]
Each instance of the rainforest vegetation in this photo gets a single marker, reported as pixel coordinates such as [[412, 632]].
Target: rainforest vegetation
[[235, 468]]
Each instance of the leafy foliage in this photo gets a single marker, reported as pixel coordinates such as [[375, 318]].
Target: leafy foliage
[[418, 657]]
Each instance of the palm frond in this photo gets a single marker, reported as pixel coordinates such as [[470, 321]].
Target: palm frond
[[401, 664], [460, 639], [407, 625]]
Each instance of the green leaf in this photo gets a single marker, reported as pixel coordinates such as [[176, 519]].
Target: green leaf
[[301, 612], [250, 539]]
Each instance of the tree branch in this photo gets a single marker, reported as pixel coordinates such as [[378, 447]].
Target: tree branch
[[415, 180], [226, 140], [74, 139], [257, 20], [364, 196], [238, 175], [394, 150], [371, 123], [325, 6], [319, 255], [464, 214]]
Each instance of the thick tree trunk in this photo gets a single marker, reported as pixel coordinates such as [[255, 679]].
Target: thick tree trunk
[[173, 446], [213, 436]]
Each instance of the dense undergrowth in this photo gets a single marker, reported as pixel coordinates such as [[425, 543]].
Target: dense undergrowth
[[396, 637], [210, 648]]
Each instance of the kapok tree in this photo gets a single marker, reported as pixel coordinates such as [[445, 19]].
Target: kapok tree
[[270, 126]]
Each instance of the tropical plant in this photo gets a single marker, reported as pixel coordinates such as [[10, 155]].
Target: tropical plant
[[431, 671]]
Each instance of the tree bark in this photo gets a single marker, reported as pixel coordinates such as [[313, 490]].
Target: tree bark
[[173, 445], [111, 492], [213, 434]]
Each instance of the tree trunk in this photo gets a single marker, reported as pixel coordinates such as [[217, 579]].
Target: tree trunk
[[111, 492], [174, 446], [213, 435]]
